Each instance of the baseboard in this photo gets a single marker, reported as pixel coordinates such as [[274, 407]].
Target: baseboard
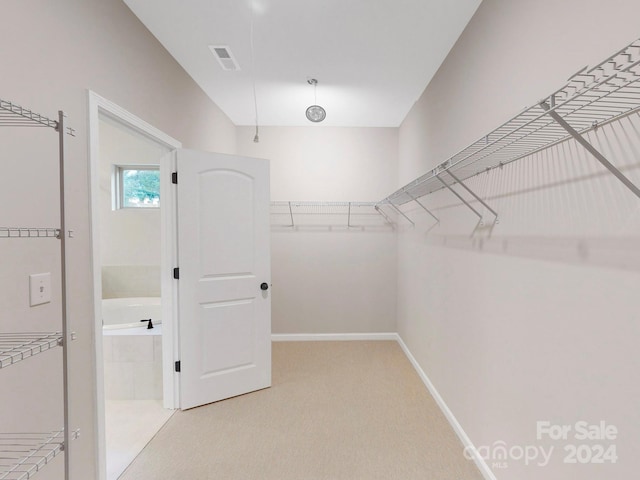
[[464, 438], [331, 337], [457, 428]]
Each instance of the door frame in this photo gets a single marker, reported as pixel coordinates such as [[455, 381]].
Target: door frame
[[98, 105]]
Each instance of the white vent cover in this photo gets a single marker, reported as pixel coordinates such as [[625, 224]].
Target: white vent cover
[[225, 58]]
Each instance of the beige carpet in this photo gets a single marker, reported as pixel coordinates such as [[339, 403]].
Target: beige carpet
[[336, 411]]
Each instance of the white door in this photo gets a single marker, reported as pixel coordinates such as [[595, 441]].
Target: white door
[[224, 303]]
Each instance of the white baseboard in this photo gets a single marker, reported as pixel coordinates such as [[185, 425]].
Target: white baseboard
[[464, 438], [457, 428], [331, 337]]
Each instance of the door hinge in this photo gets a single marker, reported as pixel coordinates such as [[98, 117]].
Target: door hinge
[[176, 273], [174, 177], [177, 366]]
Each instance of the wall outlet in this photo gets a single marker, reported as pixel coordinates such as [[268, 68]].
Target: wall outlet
[[39, 289]]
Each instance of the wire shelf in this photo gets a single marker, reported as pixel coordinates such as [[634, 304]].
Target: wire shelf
[[15, 347], [285, 213], [320, 208], [590, 98], [22, 455], [12, 115], [29, 232]]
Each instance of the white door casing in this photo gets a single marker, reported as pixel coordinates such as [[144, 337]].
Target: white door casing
[[224, 260]]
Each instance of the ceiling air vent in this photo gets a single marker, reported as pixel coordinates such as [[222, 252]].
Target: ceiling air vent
[[225, 58]]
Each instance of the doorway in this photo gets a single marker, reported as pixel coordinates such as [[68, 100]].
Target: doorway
[[216, 207], [130, 164]]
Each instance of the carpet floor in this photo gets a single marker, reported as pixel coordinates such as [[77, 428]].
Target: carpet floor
[[336, 411]]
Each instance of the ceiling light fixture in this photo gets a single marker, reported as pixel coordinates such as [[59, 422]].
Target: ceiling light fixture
[[315, 113]]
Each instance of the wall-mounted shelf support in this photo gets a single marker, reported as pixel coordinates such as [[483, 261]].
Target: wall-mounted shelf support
[[472, 193], [291, 214], [402, 213], [424, 208], [590, 148], [386, 217], [461, 198]]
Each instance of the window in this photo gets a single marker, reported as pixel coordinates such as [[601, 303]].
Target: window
[[137, 186]]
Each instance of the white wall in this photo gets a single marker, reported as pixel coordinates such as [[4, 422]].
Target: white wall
[[128, 236], [539, 320], [52, 53], [328, 278]]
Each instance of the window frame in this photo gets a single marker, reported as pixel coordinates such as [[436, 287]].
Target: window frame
[[117, 185]]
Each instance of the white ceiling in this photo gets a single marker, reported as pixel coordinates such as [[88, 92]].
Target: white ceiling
[[372, 58]]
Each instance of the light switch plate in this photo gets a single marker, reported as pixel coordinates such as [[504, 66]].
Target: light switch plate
[[39, 289]]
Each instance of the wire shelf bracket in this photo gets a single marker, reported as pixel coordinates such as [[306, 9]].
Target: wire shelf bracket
[[403, 214], [384, 215], [425, 208], [590, 148]]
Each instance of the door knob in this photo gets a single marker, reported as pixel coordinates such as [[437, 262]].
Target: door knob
[[264, 286]]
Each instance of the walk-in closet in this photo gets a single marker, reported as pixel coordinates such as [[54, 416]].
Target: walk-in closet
[[373, 238]]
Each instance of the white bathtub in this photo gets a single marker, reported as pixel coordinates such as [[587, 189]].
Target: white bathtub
[[121, 316]]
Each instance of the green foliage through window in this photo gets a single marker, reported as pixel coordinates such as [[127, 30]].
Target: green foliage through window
[[140, 187]]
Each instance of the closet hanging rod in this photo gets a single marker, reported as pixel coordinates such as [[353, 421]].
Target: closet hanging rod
[[591, 98]]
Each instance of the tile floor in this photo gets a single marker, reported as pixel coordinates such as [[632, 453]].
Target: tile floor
[[130, 425]]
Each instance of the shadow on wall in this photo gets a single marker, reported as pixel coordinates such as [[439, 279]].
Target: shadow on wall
[[558, 205], [604, 252]]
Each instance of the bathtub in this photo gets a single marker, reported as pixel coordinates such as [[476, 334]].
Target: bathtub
[[132, 354], [121, 316]]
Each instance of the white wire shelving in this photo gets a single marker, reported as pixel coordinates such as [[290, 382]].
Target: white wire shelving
[[590, 98], [22, 455], [13, 115], [351, 214], [15, 347], [29, 232]]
